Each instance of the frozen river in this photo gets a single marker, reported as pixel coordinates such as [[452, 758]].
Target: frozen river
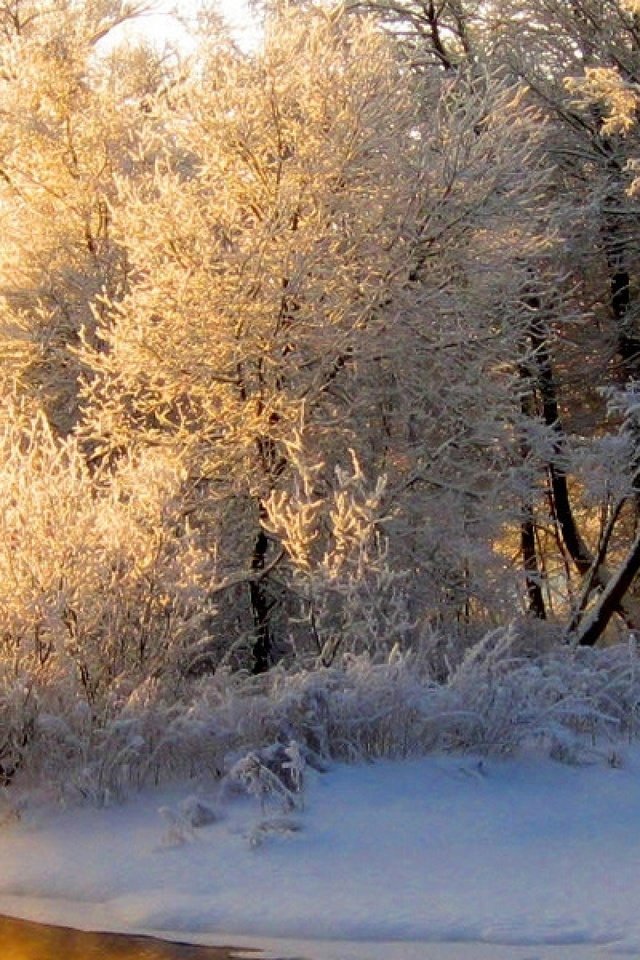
[[24, 940]]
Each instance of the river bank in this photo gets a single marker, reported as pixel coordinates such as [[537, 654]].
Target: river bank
[[442, 858], [22, 940]]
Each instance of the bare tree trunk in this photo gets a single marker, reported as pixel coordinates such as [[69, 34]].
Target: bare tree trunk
[[545, 381], [616, 239], [588, 566], [260, 608], [260, 597], [590, 578], [528, 545], [532, 571], [610, 599]]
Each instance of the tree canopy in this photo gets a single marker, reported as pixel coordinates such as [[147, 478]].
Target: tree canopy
[[325, 347]]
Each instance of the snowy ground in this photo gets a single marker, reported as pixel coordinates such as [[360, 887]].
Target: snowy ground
[[434, 859]]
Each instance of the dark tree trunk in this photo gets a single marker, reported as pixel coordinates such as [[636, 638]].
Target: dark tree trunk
[[260, 600], [535, 598], [260, 608], [545, 382], [532, 572], [610, 599], [616, 240], [432, 14], [591, 578], [628, 341], [586, 564]]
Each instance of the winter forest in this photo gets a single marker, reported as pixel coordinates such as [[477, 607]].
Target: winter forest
[[320, 376]]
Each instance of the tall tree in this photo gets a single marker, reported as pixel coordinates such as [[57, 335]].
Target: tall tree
[[311, 254], [580, 63]]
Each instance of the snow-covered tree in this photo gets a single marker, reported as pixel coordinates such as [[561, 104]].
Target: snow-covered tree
[[312, 253], [580, 64], [68, 116]]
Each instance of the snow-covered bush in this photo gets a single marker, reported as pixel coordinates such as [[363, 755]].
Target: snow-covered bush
[[102, 582], [263, 733], [106, 589]]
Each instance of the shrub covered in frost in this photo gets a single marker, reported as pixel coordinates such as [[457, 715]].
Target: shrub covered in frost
[[262, 732]]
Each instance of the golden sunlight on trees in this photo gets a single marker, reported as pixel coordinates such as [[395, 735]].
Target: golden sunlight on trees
[[67, 120], [290, 361], [311, 255]]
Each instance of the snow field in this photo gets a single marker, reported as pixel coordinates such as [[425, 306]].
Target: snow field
[[437, 858]]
